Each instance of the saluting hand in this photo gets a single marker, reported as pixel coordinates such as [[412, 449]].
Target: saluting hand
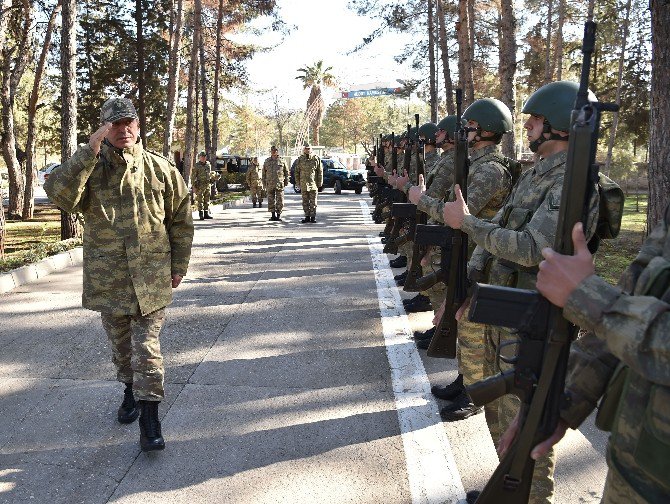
[[559, 274], [97, 137], [455, 211]]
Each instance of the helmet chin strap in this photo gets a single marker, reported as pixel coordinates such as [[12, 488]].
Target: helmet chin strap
[[477, 138], [546, 129]]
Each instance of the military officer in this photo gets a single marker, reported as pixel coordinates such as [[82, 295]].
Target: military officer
[[137, 246], [254, 180], [200, 181], [509, 245], [309, 176], [275, 178]]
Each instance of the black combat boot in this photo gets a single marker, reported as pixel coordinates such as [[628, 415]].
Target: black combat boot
[[200, 214], [460, 408], [418, 303], [422, 335], [208, 215], [305, 220], [451, 391], [274, 217], [151, 437], [128, 411], [313, 218], [260, 203], [254, 204], [400, 279], [399, 262], [278, 216]]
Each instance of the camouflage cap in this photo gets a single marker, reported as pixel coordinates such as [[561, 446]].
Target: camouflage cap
[[273, 148], [306, 145], [115, 109], [202, 154]]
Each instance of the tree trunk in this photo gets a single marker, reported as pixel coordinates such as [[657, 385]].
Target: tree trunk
[[15, 59], [4, 12], [206, 132], [470, 80], [189, 137], [68, 63], [464, 61], [176, 22], [431, 61], [217, 79], [444, 51], [659, 147], [507, 67], [548, 74], [558, 49], [622, 57], [141, 87], [31, 165]]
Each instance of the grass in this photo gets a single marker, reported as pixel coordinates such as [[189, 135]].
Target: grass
[[614, 256]]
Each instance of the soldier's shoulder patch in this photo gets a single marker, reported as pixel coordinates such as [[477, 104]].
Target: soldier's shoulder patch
[[156, 154], [553, 201]]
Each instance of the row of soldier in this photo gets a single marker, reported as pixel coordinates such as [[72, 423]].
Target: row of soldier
[[510, 219]]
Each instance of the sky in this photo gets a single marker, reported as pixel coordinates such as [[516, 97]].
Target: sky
[[322, 31]]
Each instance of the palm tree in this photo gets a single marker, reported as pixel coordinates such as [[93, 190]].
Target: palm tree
[[316, 76]]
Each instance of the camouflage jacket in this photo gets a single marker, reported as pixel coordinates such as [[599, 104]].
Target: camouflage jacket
[[308, 173], [275, 173], [201, 175], [523, 226], [628, 329], [254, 175], [489, 183], [138, 229]]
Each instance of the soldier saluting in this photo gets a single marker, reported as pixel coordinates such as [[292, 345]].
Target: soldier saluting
[[137, 246]]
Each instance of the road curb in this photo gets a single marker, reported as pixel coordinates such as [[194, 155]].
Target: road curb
[[75, 257], [31, 272]]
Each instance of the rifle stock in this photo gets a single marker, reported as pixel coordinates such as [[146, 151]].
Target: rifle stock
[[544, 336], [443, 342]]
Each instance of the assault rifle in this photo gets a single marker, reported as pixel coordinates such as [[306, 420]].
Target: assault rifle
[[538, 378], [397, 216], [418, 251], [443, 342], [393, 196]]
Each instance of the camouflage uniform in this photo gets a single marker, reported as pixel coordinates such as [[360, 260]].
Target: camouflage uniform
[[511, 243], [628, 337], [254, 180], [309, 176], [138, 234], [200, 180], [275, 178]]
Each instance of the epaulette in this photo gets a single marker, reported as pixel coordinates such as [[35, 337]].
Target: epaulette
[[172, 163]]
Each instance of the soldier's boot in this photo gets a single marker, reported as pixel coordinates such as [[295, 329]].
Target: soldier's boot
[[151, 437], [305, 220], [460, 408], [260, 203], [422, 335], [208, 215], [399, 262], [128, 411], [451, 391], [278, 216], [313, 218], [274, 217], [254, 204], [200, 214]]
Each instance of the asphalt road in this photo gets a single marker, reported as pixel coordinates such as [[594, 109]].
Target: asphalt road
[[290, 377]]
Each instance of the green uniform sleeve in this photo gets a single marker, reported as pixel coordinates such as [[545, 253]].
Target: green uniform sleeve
[[487, 184], [319, 172], [66, 185], [296, 173], [179, 223]]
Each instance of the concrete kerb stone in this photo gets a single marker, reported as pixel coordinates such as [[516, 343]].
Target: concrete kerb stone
[[31, 272], [237, 202]]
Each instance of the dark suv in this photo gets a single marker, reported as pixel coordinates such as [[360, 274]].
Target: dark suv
[[336, 175]]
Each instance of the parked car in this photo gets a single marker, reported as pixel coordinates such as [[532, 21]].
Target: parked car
[[43, 174], [229, 163], [336, 175]]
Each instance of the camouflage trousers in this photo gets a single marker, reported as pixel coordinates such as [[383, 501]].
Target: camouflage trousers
[[136, 352], [470, 350], [202, 199], [275, 200], [500, 413], [256, 193], [309, 202], [618, 490]]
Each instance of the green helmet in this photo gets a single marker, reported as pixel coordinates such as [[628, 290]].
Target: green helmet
[[491, 114], [555, 102], [448, 124], [428, 132], [202, 154]]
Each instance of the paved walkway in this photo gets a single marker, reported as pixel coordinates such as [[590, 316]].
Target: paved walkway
[[278, 382]]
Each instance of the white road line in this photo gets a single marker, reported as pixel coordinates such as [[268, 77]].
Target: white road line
[[431, 468]]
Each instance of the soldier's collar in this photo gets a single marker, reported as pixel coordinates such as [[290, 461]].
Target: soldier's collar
[[548, 163], [479, 153]]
